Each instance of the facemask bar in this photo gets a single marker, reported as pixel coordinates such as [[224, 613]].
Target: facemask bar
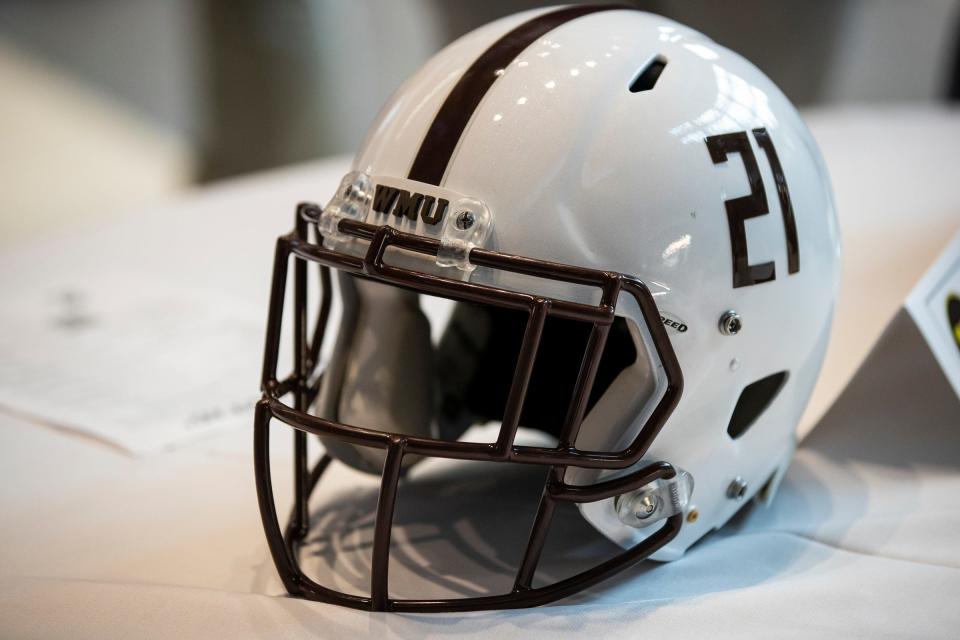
[[304, 385]]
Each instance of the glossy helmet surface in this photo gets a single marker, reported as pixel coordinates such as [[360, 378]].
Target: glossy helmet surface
[[590, 180]]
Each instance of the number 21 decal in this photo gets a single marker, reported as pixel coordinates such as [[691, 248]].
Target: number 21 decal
[[754, 205]]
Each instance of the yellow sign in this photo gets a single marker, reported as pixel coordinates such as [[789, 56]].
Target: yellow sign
[[953, 316]]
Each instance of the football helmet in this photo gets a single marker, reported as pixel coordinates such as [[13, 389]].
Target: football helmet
[[639, 235]]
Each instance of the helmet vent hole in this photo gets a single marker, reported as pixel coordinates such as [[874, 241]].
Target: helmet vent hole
[[649, 75], [754, 400]]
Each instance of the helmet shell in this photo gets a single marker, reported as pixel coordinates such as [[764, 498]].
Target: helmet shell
[[577, 168]]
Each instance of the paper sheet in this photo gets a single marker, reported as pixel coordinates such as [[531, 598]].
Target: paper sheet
[[140, 362]]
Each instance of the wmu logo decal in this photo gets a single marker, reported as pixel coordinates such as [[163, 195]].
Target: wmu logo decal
[[953, 316], [409, 204]]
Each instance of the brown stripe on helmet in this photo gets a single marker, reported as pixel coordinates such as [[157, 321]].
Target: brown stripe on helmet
[[441, 139]]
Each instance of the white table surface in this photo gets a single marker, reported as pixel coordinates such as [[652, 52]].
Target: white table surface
[[864, 539]]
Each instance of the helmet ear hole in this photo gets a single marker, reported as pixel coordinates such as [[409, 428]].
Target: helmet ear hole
[[754, 400]]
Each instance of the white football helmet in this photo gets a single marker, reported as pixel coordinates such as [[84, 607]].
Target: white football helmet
[[640, 235]]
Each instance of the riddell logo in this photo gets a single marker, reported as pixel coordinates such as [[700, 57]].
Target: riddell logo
[[409, 205], [673, 324]]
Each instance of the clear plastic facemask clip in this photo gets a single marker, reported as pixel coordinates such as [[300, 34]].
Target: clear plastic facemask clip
[[469, 226], [653, 502], [351, 201]]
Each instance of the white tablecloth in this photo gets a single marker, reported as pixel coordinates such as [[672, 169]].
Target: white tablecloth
[[863, 540]]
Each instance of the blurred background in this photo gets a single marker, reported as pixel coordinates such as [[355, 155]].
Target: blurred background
[[109, 105]]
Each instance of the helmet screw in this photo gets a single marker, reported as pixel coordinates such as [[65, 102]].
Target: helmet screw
[[693, 515], [645, 508], [730, 323], [465, 220], [737, 489]]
